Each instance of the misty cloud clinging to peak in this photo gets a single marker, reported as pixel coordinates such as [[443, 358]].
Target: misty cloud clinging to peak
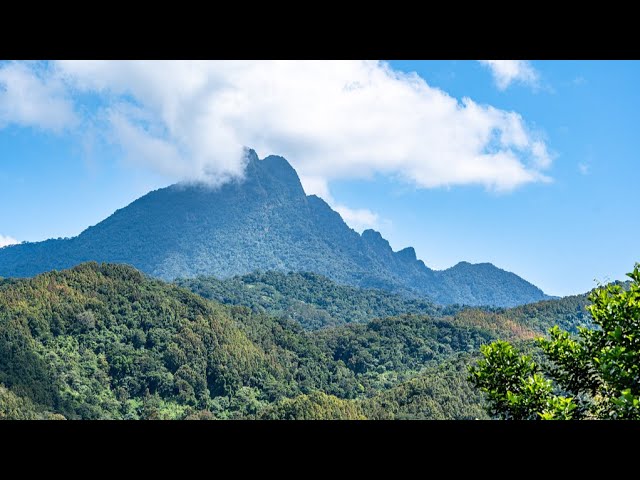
[[332, 120]]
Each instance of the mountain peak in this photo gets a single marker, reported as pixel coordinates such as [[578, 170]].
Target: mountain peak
[[375, 239], [250, 155], [273, 173], [407, 254], [263, 221], [277, 162], [371, 234], [483, 265]]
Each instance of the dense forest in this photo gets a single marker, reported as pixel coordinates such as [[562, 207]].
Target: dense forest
[[107, 341], [311, 299], [263, 222]]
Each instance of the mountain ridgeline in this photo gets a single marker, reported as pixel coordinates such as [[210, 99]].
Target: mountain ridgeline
[[264, 221]]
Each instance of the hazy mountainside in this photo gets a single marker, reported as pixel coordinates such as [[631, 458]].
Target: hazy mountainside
[[315, 302], [264, 222], [105, 341], [311, 299]]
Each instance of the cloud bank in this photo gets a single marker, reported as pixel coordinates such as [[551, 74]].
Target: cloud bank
[[4, 241], [331, 119], [506, 72]]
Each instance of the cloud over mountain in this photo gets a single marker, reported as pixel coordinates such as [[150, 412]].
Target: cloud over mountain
[[332, 119], [5, 240]]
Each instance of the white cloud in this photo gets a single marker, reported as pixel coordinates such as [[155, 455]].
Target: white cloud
[[330, 119], [32, 97], [505, 72], [315, 186], [359, 219], [4, 241]]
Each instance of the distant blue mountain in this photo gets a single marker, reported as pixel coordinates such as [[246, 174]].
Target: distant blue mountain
[[263, 222]]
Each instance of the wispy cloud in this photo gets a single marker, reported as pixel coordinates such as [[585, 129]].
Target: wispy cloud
[[33, 97], [5, 240], [358, 218], [331, 119], [584, 168], [506, 72]]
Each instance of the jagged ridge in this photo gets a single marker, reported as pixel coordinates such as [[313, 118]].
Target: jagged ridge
[[263, 222]]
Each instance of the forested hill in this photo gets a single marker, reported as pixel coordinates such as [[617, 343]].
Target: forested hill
[[316, 302], [262, 222], [310, 299], [106, 341]]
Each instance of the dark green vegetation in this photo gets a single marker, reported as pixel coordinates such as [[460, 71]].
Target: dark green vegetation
[[20, 408], [310, 299], [264, 222], [314, 301], [440, 393], [594, 374], [105, 341]]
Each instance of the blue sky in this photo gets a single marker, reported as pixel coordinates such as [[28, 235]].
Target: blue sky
[[536, 172]]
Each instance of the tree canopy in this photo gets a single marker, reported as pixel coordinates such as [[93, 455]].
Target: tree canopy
[[107, 341], [592, 375]]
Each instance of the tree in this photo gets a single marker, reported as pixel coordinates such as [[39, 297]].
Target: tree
[[595, 374]]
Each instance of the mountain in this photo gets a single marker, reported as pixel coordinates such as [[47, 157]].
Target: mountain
[[263, 222]]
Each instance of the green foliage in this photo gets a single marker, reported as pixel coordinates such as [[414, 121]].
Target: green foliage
[[315, 406], [105, 341], [13, 407], [515, 387], [316, 302], [441, 392], [308, 298], [569, 313], [386, 351], [599, 368]]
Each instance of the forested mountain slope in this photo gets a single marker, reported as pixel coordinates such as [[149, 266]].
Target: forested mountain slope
[[315, 302], [263, 222], [311, 299], [106, 341]]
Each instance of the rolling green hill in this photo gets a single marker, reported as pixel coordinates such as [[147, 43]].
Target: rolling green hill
[[316, 302], [311, 299], [106, 341]]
